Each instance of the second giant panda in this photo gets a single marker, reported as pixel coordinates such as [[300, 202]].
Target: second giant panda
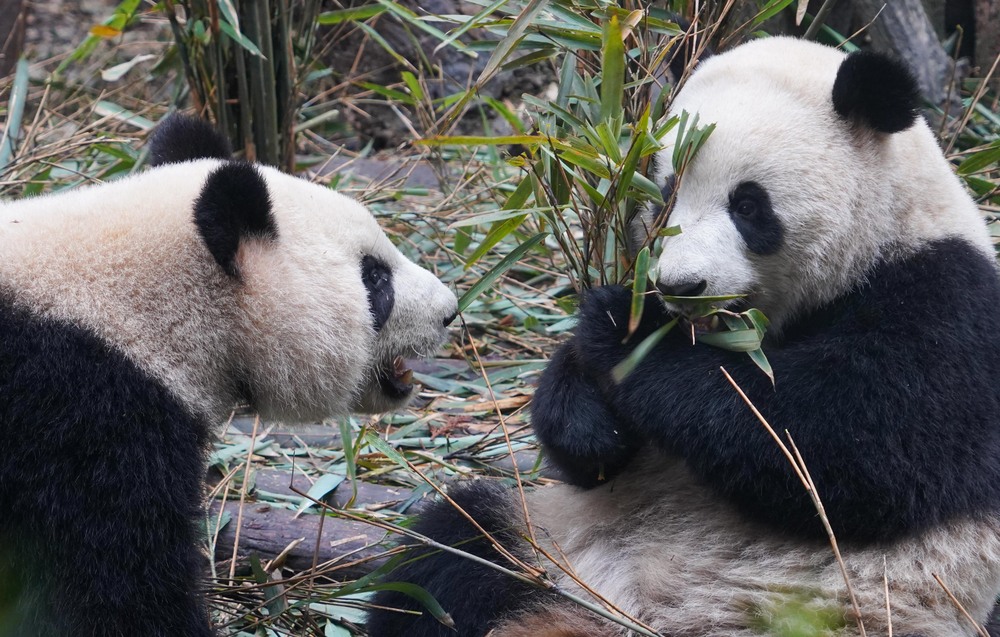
[[133, 316], [825, 200]]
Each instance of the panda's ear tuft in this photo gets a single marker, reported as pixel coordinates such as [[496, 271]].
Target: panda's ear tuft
[[180, 138], [234, 206], [876, 90]]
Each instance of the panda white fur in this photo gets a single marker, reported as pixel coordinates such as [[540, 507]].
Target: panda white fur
[[825, 199], [133, 316]]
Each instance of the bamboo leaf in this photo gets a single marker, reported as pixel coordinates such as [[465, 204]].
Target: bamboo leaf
[[411, 83], [503, 228], [352, 14], [509, 41], [612, 71], [15, 111], [627, 366], [116, 72], [981, 160], [742, 340], [239, 38], [505, 264], [771, 9], [757, 356], [638, 290], [419, 594], [326, 484]]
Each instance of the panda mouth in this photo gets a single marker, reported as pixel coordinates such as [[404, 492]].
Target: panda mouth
[[396, 380]]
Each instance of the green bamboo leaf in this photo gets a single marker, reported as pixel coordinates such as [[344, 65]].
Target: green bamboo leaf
[[757, 356], [505, 264], [642, 183], [612, 71], [411, 18], [326, 483], [15, 111], [411, 83], [390, 94], [503, 228], [119, 113], [758, 320], [229, 13], [627, 366], [382, 42], [475, 20], [638, 290], [982, 159], [239, 38], [419, 594], [484, 140], [771, 9], [509, 41], [499, 230], [350, 15], [372, 438], [741, 340]]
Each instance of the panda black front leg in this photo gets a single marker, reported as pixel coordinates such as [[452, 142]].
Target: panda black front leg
[[893, 410], [580, 434]]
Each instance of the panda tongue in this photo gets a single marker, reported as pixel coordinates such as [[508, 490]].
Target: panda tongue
[[401, 372]]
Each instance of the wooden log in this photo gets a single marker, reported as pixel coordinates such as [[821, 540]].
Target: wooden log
[[269, 530]]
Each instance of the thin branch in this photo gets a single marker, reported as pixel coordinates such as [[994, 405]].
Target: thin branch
[[799, 465]]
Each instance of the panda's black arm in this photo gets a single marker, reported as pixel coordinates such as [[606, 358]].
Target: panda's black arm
[[889, 394]]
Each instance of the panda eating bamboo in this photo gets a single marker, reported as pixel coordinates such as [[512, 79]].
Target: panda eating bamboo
[[824, 199]]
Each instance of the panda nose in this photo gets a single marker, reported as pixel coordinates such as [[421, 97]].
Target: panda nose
[[685, 288], [451, 319]]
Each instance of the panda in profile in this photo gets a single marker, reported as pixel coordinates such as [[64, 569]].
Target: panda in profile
[[823, 198], [133, 316]]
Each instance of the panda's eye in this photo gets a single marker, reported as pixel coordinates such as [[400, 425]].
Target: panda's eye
[[746, 208], [377, 277], [754, 218]]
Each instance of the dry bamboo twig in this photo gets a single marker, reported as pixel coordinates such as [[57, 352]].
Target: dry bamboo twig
[[799, 465], [954, 600]]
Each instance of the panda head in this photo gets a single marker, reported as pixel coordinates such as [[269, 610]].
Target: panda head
[[818, 168], [326, 308]]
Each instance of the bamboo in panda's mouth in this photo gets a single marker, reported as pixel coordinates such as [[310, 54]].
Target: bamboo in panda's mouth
[[400, 372]]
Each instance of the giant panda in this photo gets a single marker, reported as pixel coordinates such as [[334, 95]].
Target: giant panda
[[134, 316], [823, 198]]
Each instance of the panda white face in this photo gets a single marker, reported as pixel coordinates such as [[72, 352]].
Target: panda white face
[[790, 201], [334, 285], [230, 283]]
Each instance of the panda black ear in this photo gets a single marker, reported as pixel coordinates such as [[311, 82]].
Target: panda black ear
[[876, 90], [234, 205], [180, 138]]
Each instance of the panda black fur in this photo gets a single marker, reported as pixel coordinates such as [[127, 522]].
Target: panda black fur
[[133, 316], [822, 197]]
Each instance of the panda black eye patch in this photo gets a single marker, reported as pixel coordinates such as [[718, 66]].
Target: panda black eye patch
[[377, 277], [752, 214]]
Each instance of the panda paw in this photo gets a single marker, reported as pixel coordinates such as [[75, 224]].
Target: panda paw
[[602, 338], [579, 433]]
